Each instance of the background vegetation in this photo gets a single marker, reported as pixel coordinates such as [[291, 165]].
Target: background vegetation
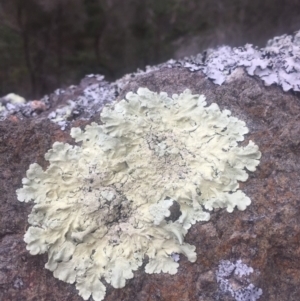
[[46, 44]]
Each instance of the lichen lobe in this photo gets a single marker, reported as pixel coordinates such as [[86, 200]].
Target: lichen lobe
[[102, 207]]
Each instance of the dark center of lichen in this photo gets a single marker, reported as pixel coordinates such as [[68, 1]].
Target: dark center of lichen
[[168, 155]]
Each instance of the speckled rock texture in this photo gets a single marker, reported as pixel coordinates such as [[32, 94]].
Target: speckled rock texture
[[241, 256]]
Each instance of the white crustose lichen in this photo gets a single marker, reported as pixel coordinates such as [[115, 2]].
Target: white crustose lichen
[[102, 206]]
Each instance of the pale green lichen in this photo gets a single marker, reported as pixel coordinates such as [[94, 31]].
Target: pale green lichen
[[102, 206]]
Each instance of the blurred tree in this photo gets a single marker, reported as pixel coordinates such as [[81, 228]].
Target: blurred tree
[[44, 29]]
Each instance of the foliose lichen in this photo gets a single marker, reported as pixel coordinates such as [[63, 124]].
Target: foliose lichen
[[102, 206], [277, 63], [233, 278], [13, 104], [87, 104], [74, 102]]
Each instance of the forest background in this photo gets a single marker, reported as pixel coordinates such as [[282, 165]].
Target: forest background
[[49, 44]]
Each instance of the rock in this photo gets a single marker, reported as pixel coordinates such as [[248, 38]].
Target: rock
[[242, 256]]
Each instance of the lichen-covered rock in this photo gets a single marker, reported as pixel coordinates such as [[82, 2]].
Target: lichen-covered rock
[[277, 63], [101, 207], [233, 278], [260, 245], [64, 105]]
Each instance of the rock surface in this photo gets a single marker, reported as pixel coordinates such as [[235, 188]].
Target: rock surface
[[243, 256]]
